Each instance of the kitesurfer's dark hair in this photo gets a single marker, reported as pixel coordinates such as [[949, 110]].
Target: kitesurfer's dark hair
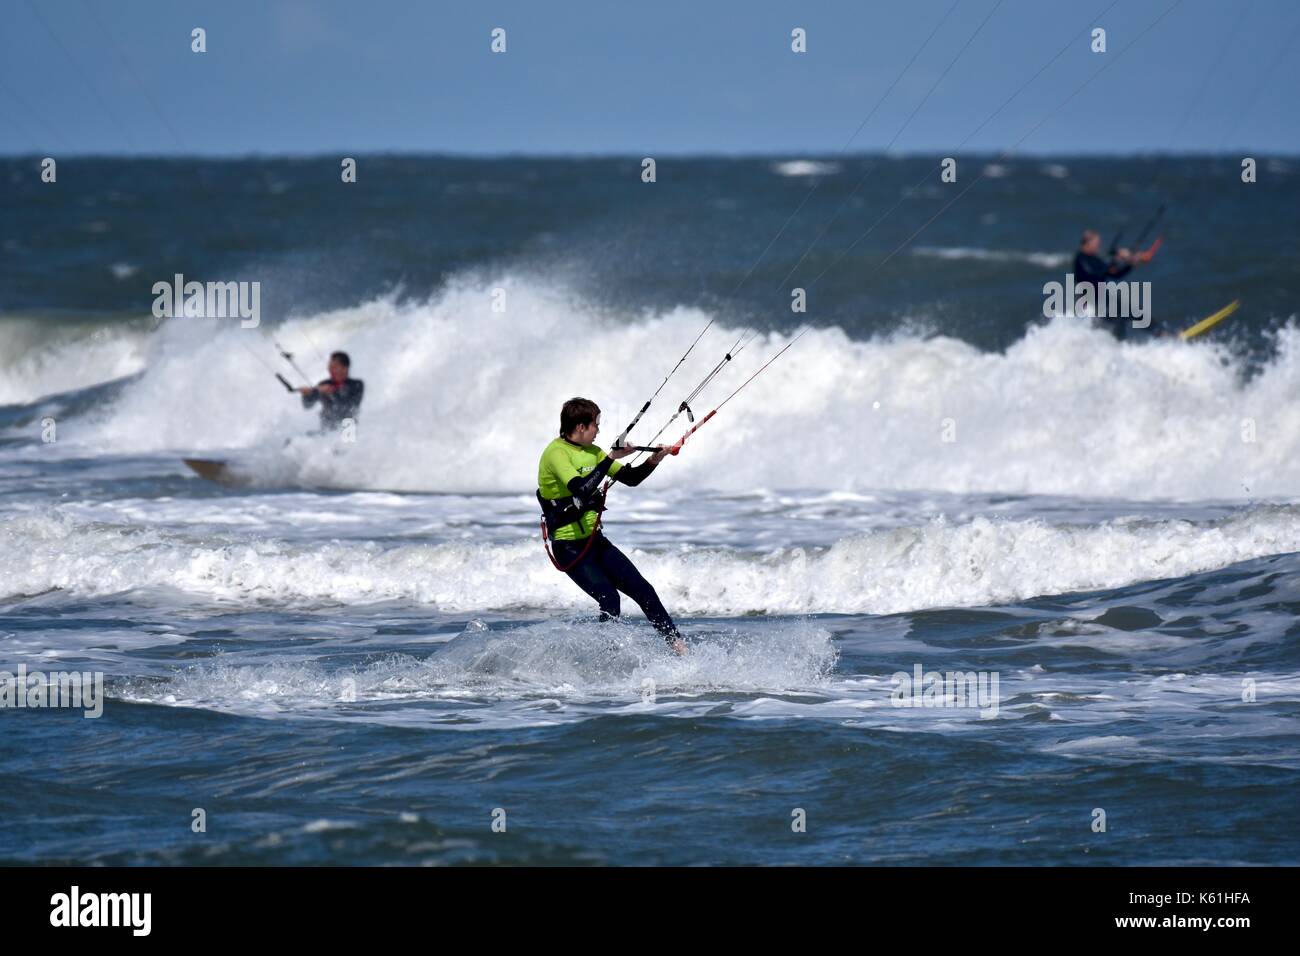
[[341, 357], [577, 411]]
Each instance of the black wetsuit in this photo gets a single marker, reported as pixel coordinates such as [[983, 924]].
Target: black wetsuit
[[1096, 271], [605, 570], [337, 406]]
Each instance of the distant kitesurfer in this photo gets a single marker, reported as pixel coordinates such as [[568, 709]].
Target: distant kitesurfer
[[569, 478], [339, 395], [1090, 269]]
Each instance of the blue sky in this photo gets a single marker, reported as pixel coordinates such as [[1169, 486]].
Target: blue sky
[[579, 77]]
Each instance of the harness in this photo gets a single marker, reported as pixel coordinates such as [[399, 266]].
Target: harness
[[558, 512]]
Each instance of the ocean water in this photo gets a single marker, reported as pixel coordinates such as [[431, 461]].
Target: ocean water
[[363, 656]]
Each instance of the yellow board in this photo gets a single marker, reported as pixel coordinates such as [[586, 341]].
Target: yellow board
[[1210, 321]]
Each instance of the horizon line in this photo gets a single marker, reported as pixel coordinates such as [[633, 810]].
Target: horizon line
[[624, 155]]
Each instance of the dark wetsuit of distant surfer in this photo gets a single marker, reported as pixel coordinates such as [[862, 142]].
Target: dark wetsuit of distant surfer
[[1091, 269], [339, 396], [569, 478]]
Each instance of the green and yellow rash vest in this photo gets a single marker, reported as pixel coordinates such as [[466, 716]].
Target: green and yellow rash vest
[[562, 461]]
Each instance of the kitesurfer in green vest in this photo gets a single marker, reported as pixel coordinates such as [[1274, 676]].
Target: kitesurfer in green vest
[[569, 478]]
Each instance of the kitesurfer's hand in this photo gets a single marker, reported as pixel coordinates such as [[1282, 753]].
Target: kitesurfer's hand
[[623, 452], [305, 389], [659, 455]]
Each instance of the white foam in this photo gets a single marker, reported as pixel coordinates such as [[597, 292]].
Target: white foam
[[806, 167], [540, 672], [940, 564], [461, 398], [1048, 260], [43, 357]]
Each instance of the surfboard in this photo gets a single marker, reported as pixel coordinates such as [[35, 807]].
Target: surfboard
[[218, 471], [1210, 321]]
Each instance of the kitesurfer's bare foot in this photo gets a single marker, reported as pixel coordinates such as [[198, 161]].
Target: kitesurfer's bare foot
[[678, 646]]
